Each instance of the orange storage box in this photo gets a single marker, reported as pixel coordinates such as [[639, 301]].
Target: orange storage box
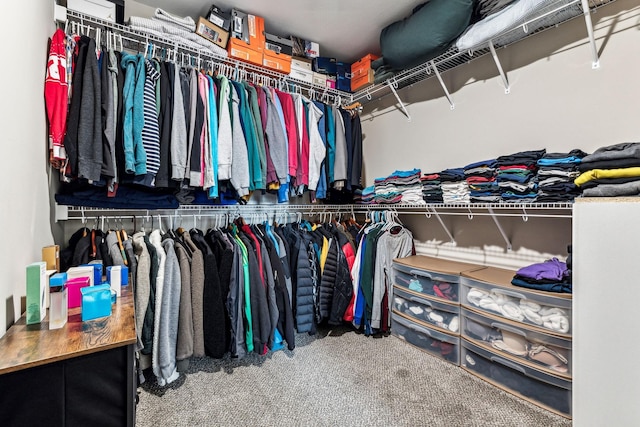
[[362, 81], [362, 66], [240, 50], [280, 62]]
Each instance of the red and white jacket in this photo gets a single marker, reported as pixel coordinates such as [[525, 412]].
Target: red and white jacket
[[56, 97]]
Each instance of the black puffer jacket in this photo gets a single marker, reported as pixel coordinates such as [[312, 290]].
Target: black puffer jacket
[[328, 281]]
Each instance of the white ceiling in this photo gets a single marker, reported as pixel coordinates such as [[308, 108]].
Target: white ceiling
[[345, 29]]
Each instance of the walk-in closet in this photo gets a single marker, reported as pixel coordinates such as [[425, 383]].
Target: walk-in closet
[[310, 213]]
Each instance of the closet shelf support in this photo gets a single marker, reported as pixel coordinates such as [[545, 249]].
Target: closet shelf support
[[444, 87], [505, 81], [592, 41], [431, 210], [404, 109], [500, 229]]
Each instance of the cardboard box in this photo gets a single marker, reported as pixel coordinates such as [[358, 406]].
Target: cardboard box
[[343, 80], [212, 32], [324, 65], [278, 62], [102, 9], [96, 302], [240, 50], [114, 277], [37, 290], [362, 81], [311, 49], [278, 45], [74, 296], [249, 29], [301, 74], [305, 48], [219, 18], [51, 255], [362, 67], [302, 64], [319, 79]]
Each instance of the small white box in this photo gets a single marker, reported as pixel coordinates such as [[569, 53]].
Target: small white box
[[301, 74], [320, 79], [114, 276], [102, 9], [301, 64]]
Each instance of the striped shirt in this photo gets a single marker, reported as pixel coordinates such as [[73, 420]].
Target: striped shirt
[[150, 130]]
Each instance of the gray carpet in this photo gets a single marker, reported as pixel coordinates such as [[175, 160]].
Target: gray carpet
[[338, 378]]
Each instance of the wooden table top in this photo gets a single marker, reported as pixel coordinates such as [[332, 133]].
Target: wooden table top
[[25, 346]]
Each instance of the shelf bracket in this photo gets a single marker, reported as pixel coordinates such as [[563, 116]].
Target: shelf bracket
[[446, 92], [430, 211], [592, 41], [393, 89], [505, 81], [500, 229]]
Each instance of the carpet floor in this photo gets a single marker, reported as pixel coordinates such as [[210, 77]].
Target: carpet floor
[[336, 378]]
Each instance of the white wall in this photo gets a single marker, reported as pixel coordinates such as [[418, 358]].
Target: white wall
[[557, 102], [25, 214]]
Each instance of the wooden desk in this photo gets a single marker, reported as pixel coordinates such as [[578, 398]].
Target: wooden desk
[[82, 374]]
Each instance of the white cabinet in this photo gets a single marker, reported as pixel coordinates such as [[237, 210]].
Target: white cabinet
[[606, 296]]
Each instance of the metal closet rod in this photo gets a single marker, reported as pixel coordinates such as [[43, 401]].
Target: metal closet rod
[[338, 97]]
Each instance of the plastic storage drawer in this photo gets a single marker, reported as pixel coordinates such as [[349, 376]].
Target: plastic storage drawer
[[545, 390], [515, 341], [435, 313], [490, 290], [439, 344], [435, 277]]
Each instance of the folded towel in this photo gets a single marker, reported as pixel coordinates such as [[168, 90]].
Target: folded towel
[[475, 295], [531, 315], [180, 35], [187, 22], [487, 303], [547, 311], [530, 305], [510, 310], [556, 322]]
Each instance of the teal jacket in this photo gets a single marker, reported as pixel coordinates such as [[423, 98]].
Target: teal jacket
[[133, 113]]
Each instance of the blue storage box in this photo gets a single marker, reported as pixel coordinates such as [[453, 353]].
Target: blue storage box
[[324, 65], [97, 272], [343, 80], [96, 301]]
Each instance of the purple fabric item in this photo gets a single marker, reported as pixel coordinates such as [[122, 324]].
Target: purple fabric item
[[551, 269]]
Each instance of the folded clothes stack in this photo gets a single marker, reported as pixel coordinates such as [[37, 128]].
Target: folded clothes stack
[[431, 189], [454, 187], [180, 29], [399, 187], [517, 176], [552, 276], [556, 173], [611, 171], [481, 179]]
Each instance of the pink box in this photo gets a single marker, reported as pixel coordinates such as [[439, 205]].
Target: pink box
[[74, 297]]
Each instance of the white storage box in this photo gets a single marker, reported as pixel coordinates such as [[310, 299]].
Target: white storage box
[[427, 311], [435, 277], [444, 346], [516, 342], [548, 391], [490, 290]]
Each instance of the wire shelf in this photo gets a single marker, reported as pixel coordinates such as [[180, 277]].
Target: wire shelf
[[453, 58]]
